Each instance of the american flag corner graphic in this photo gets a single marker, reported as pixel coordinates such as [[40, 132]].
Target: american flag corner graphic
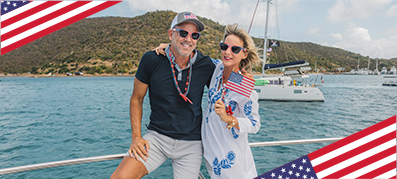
[[369, 153], [25, 21]]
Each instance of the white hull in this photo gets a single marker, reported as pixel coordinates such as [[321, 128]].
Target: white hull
[[289, 93], [282, 88]]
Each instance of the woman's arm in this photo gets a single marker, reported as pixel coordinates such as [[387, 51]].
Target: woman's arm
[[249, 119]]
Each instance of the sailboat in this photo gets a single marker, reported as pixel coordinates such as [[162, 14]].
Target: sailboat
[[384, 71], [362, 71], [293, 85], [393, 70], [376, 71]]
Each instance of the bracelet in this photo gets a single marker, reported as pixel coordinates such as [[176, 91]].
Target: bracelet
[[230, 126]]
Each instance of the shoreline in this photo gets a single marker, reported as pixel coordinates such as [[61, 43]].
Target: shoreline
[[64, 75]]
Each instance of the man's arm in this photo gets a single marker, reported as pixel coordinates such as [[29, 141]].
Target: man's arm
[[139, 146]]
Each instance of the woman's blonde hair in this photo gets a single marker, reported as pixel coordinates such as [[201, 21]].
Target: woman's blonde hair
[[252, 57]]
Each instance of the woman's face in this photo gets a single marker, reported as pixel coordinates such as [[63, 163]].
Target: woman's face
[[228, 57]]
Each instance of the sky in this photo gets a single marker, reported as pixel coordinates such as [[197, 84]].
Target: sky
[[366, 27]]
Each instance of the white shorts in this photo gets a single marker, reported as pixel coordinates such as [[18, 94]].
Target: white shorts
[[186, 155]]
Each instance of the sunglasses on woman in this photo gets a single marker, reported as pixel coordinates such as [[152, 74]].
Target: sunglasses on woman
[[235, 49], [185, 33]]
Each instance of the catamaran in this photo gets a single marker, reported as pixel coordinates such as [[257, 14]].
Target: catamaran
[[291, 86]]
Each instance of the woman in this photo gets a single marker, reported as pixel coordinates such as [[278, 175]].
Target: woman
[[225, 134]]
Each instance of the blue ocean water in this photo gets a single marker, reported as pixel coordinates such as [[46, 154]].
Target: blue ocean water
[[61, 118]]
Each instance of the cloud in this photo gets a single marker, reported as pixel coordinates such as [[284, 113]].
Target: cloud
[[224, 12], [392, 11], [337, 36], [313, 30], [357, 39], [346, 10]]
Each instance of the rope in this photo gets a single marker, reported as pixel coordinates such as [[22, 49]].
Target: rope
[[253, 16]]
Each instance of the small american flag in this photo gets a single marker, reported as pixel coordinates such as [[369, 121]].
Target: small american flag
[[25, 21], [369, 153], [240, 84]]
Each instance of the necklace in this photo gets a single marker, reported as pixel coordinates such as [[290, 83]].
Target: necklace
[[187, 87], [228, 108]]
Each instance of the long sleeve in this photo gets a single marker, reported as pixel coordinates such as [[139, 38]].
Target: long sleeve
[[248, 119]]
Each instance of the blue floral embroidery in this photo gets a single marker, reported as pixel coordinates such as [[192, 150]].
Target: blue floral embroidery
[[216, 97], [215, 61], [224, 164], [211, 92], [248, 108], [235, 135], [253, 121], [233, 104]]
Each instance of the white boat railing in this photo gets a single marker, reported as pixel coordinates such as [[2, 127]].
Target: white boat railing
[[120, 156]]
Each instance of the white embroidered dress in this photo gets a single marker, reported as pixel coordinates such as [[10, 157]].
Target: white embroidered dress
[[227, 151]]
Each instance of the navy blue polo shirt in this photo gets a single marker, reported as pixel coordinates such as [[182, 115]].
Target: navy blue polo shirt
[[170, 114]]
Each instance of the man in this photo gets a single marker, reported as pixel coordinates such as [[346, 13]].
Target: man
[[176, 84]]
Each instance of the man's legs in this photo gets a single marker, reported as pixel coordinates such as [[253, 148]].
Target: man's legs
[[131, 168], [186, 159]]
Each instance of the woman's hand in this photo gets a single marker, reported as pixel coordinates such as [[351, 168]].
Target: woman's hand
[[161, 49], [221, 111]]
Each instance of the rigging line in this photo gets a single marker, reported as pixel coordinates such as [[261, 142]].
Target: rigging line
[[252, 20], [300, 34]]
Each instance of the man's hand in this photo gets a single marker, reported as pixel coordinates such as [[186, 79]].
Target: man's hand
[[139, 148], [246, 74]]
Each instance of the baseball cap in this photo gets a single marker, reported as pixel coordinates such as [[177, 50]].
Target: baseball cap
[[187, 17]]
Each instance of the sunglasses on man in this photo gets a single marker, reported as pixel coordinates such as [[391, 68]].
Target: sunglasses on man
[[185, 33], [235, 49]]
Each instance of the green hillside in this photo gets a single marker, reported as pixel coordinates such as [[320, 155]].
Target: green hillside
[[116, 44]]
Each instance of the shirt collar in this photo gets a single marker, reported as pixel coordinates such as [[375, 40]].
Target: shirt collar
[[171, 57]]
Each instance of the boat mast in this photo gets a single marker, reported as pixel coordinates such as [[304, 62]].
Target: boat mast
[[368, 64], [377, 64], [265, 40]]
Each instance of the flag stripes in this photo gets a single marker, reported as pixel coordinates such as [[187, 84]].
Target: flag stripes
[[349, 139], [357, 153], [240, 84], [39, 18], [235, 87], [363, 163], [364, 153]]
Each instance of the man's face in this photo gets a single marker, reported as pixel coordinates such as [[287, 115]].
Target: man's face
[[184, 46]]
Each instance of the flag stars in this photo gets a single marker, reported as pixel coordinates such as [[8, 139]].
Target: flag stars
[[280, 177], [304, 176], [8, 3], [283, 170], [311, 177], [5, 8], [297, 174], [307, 170], [273, 175], [300, 168], [293, 165], [15, 4], [290, 172], [304, 161]]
